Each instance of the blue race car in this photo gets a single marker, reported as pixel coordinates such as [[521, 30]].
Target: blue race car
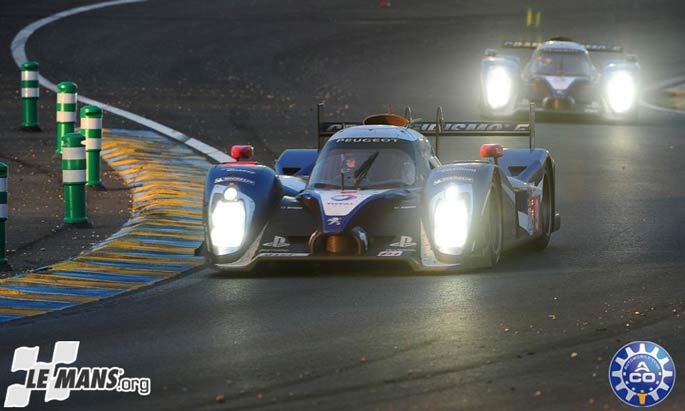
[[377, 192], [559, 77]]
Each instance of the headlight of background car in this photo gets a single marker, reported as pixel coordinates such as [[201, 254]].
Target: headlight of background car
[[621, 91], [228, 221], [450, 221], [498, 87]]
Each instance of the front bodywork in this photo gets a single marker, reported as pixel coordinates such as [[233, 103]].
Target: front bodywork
[[290, 221]]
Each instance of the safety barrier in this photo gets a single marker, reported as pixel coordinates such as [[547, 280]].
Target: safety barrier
[[91, 128], [66, 111], [30, 92], [74, 179]]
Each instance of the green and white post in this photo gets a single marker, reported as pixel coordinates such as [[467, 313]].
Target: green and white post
[[29, 96], [74, 179], [4, 265], [66, 111], [91, 128]]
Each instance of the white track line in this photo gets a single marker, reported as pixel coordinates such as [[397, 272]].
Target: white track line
[[19, 54], [660, 85]]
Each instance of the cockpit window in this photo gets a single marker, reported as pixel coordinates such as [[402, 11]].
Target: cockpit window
[[560, 64], [365, 165]]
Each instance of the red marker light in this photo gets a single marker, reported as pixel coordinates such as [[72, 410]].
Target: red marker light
[[491, 150], [242, 152]]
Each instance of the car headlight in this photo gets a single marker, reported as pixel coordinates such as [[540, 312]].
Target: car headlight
[[228, 223], [498, 87], [621, 92], [450, 222]]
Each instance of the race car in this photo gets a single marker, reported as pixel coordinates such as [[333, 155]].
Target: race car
[[375, 191], [559, 77]]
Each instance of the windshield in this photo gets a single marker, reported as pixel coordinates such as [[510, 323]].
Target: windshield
[[364, 166], [560, 64]]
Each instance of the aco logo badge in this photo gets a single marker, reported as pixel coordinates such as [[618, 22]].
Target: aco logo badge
[[642, 374]]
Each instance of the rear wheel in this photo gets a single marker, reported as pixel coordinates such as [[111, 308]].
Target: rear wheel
[[493, 225], [546, 214]]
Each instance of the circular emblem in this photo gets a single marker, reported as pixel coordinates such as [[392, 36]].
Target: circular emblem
[[343, 197], [642, 374]]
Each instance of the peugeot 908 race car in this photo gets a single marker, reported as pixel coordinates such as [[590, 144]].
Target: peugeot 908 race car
[[560, 78], [376, 191]]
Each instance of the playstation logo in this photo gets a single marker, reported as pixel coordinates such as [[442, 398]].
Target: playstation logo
[[405, 242], [278, 242]]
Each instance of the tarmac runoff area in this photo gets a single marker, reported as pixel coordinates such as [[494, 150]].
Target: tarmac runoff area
[[672, 97], [157, 242]]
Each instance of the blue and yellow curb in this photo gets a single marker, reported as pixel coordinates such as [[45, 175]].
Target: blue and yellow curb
[[158, 242]]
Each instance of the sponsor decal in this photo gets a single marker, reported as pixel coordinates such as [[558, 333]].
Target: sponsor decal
[[367, 140], [235, 179], [390, 253], [242, 170], [59, 382], [521, 44], [404, 207], [278, 242], [405, 242], [336, 203], [471, 127], [453, 168], [642, 374], [603, 47], [452, 178], [344, 197], [334, 221], [282, 255]]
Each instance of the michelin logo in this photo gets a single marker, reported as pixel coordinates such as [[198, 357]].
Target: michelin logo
[[58, 383], [642, 374]]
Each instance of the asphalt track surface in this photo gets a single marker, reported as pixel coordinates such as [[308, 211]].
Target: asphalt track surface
[[536, 332]]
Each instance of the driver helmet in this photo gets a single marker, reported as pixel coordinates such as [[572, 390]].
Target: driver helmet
[[350, 162]]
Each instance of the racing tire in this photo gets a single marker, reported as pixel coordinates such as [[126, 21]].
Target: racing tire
[[493, 227], [547, 213]]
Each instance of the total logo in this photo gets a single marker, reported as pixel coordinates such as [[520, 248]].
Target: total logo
[[642, 374], [278, 242], [344, 197]]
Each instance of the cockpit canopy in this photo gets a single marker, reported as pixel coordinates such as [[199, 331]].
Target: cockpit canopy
[[570, 63], [367, 163]]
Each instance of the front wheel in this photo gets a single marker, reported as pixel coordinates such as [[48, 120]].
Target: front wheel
[[493, 225], [546, 213]]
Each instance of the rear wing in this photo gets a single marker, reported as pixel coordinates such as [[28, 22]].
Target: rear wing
[[604, 48], [440, 128]]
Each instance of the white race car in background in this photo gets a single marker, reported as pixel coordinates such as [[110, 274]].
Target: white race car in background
[[559, 77]]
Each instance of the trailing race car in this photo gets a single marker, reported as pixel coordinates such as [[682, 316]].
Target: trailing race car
[[559, 78], [376, 191]]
